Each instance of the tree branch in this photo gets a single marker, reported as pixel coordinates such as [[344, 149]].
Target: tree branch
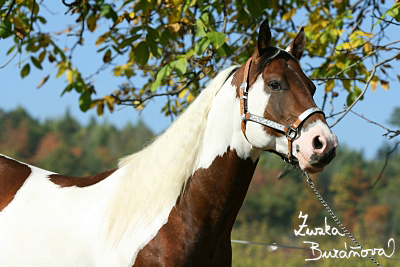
[[389, 131], [384, 165], [387, 21], [366, 86]]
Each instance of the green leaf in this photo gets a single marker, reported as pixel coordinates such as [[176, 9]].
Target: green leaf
[[143, 5], [102, 49], [357, 92], [165, 37], [216, 38], [42, 20], [202, 45], [155, 85], [107, 56], [257, 7], [5, 28], [108, 12], [142, 53], [85, 101], [350, 99], [224, 51], [181, 67], [153, 33], [25, 70], [201, 24], [134, 30], [105, 11], [154, 49], [78, 86], [68, 88], [165, 71], [36, 63], [128, 41], [11, 49]]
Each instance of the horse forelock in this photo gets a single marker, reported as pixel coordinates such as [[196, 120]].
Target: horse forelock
[[268, 56], [155, 177]]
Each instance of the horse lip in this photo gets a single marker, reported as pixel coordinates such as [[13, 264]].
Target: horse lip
[[321, 161], [317, 164]]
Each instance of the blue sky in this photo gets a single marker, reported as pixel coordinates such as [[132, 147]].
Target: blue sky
[[46, 102]]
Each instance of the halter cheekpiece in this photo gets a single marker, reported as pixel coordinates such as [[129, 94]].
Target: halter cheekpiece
[[290, 131]]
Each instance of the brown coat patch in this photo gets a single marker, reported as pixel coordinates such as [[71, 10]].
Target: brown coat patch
[[67, 181], [12, 176], [199, 226]]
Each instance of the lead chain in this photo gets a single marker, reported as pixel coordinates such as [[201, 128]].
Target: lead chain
[[311, 184]]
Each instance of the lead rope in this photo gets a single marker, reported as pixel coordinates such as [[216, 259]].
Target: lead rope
[[311, 184]]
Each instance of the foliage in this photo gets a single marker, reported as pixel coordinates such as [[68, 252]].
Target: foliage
[[174, 44], [271, 209]]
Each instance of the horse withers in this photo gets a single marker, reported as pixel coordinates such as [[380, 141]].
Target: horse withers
[[175, 202]]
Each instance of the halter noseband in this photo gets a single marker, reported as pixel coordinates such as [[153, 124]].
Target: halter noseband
[[290, 131]]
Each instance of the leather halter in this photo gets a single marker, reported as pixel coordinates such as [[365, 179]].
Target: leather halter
[[290, 131]]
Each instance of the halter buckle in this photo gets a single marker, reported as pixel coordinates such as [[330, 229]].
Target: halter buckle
[[244, 87], [291, 132]]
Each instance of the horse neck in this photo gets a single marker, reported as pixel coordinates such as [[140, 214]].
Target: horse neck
[[226, 164]]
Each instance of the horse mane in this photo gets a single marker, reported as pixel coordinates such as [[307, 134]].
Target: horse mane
[[154, 177]]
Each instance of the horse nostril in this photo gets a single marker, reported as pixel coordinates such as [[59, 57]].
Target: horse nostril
[[317, 143]]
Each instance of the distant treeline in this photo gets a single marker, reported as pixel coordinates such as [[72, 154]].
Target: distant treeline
[[271, 209], [64, 146]]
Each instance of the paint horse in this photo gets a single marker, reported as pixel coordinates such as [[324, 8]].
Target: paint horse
[[173, 203]]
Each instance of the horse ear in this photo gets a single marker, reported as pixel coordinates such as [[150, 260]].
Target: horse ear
[[296, 48], [264, 38]]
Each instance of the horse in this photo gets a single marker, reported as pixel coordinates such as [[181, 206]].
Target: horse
[[173, 203]]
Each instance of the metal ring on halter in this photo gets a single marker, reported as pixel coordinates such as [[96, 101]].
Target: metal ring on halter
[[291, 130]]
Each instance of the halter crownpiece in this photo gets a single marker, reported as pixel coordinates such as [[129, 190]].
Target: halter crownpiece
[[290, 131]]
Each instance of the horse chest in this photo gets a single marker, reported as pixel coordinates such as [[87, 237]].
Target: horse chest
[[199, 226]]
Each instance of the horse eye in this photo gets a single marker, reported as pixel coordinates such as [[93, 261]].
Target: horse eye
[[274, 86]]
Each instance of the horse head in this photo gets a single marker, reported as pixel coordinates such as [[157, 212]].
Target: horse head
[[277, 106]]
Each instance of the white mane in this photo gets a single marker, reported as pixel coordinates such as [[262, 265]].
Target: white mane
[[155, 176]]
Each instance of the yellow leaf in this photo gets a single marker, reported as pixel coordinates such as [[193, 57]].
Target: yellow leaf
[[329, 85], [325, 23], [346, 46], [340, 65], [367, 47], [42, 56], [100, 109], [385, 85], [110, 102], [70, 76], [289, 14], [182, 93], [119, 20], [366, 34], [374, 83], [175, 27], [102, 38], [346, 84], [132, 15], [118, 71], [61, 70], [43, 81], [91, 23], [190, 97]]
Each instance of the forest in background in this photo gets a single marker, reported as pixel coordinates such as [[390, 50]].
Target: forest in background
[[271, 209]]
